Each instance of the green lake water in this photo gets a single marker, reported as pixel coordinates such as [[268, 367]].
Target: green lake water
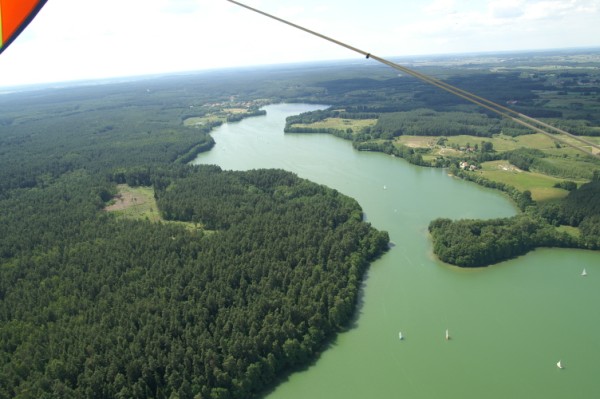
[[509, 323]]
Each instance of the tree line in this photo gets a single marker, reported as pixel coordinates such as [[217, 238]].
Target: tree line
[[95, 306], [472, 243]]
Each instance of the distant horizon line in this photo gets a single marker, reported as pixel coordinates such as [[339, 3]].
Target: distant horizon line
[[59, 84]]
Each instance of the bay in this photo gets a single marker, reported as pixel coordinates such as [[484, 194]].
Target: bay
[[509, 323]]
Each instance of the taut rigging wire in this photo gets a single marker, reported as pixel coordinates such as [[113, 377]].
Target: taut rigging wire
[[517, 117]]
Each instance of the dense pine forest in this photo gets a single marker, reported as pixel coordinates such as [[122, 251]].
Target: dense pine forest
[[473, 243], [246, 276], [97, 307]]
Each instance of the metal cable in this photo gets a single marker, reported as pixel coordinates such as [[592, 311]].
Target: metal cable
[[517, 117]]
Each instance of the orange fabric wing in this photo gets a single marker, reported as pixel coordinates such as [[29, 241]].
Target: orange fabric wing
[[14, 17]]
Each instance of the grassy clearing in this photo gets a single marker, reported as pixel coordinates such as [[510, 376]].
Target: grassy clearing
[[502, 142], [417, 141], [462, 140], [572, 231], [204, 120], [138, 203], [235, 110], [538, 141], [548, 144], [541, 186], [446, 152], [135, 203], [219, 115], [595, 140], [339, 123]]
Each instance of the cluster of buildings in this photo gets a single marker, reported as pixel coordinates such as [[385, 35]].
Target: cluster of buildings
[[464, 165]]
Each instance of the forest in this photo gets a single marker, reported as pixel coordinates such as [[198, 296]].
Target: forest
[[472, 243], [98, 306], [94, 306], [262, 268], [475, 145]]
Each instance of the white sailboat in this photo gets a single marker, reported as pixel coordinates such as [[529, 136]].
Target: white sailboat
[[400, 336], [447, 335], [560, 365], [584, 272]]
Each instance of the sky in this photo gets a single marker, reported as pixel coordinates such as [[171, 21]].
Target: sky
[[94, 39]]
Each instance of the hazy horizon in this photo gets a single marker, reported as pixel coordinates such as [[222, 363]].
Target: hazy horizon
[[410, 59], [71, 40]]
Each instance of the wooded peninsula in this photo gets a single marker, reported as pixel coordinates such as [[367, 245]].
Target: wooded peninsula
[[556, 187], [228, 280]]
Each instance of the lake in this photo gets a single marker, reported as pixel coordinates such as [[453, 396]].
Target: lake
[[509, 324]]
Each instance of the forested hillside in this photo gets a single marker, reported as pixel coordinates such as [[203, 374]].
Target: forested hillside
[[546, 178], [472, 243], [93, 305]]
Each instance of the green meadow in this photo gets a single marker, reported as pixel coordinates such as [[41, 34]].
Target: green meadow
[[541, 186], [138, 203], [340, 124]]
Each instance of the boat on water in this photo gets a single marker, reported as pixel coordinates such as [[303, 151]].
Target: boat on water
[[400, 336], [560, 365], [447, 335], [584, 272]]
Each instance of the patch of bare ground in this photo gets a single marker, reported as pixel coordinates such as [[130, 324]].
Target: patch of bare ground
[[507, 167], [125, 200]]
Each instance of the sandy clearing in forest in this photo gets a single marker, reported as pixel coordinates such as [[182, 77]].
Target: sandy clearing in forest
[[125, 199]]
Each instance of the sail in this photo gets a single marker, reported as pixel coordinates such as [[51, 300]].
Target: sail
[[15, 15]]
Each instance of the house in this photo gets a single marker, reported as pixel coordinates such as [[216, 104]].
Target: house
[[464, 165]]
